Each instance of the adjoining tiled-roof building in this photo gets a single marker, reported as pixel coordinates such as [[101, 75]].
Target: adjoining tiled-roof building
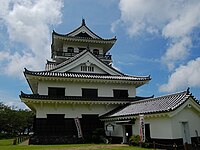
[[79, 91]]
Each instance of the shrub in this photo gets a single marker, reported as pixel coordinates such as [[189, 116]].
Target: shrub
[[134, 140], [6, 136], [98, 135]]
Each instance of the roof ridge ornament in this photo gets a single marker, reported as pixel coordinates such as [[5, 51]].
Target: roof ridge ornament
[[83, 22], [188, 90]]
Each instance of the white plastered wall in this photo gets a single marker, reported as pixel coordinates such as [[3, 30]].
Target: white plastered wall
[[71, 111], [75, 89], [160, 127], [189, 115]]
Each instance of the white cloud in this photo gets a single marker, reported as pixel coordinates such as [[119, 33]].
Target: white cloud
[[27, 22], [184, 76], [177, 52], [4, 55], [185, 22], [175, 20]]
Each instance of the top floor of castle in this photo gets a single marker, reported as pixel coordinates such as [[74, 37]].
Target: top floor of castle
[[65, 46]]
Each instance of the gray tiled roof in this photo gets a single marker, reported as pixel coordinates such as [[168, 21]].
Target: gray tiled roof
[[78, 56], [86, 76], [83, 24], [77, 98], [154, 105]]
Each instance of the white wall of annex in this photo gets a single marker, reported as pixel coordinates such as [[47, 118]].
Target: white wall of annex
[[71, 111], [75, 89], [189, 115], [160, 127]]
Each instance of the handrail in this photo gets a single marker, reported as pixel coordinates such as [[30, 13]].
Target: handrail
[[68, 54]]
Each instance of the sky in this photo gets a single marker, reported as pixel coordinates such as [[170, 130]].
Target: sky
[[157, 38]]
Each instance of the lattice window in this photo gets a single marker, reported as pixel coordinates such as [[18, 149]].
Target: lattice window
[[70, 50], [96, 52], [87, 68]]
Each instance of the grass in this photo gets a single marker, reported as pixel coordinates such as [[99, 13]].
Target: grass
[[6, 142], [7, 145]]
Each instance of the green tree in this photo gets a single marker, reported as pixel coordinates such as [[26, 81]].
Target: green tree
[[13, 121]]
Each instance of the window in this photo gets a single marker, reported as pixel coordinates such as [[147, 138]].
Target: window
[[70, 50], [83, 68], [54, 91], [87, 68], [90, 68], [90, 93], [120, 93], [96, 52]]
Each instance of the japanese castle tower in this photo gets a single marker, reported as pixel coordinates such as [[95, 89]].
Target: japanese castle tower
[[79, 91]]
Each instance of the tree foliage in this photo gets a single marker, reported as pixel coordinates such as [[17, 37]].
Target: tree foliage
[[13, 121]]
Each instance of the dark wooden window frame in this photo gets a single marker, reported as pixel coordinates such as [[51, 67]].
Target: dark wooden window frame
[[95, 51], [56, 91], [120, 93], [70, 50], [89, 92]]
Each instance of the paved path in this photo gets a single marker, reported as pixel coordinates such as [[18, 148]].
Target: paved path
[[25, 142]]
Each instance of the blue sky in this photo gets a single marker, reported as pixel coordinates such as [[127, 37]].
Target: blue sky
[[157, 38]]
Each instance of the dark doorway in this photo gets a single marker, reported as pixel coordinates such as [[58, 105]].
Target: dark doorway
[[147, 132], [128, 129], [55, 124], [89, 123]]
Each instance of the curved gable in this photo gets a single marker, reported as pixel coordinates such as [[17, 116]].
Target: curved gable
[[83, 31], [87, 59]]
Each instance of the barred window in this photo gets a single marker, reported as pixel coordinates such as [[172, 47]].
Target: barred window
[[87, 68], [96, 52], [70, 50]]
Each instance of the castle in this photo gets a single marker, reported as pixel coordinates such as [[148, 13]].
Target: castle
[[79, 91]]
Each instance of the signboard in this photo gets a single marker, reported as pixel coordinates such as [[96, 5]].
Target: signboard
[[110, 127], [142, 128], [78, 127]]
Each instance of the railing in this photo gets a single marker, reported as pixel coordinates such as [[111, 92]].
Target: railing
[[68, 54], [65, 54], [20, 139], [105, 57]]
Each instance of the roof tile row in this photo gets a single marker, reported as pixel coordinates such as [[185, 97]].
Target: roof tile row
[[154, 105], [85, 76]]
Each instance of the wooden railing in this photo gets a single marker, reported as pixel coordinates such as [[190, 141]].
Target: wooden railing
[[20, 139], [67, 54]]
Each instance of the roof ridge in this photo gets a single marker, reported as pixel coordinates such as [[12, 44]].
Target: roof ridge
[[69, 60], [83, 24]]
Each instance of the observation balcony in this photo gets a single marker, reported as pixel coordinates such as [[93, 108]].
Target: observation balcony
[[66, 55]]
